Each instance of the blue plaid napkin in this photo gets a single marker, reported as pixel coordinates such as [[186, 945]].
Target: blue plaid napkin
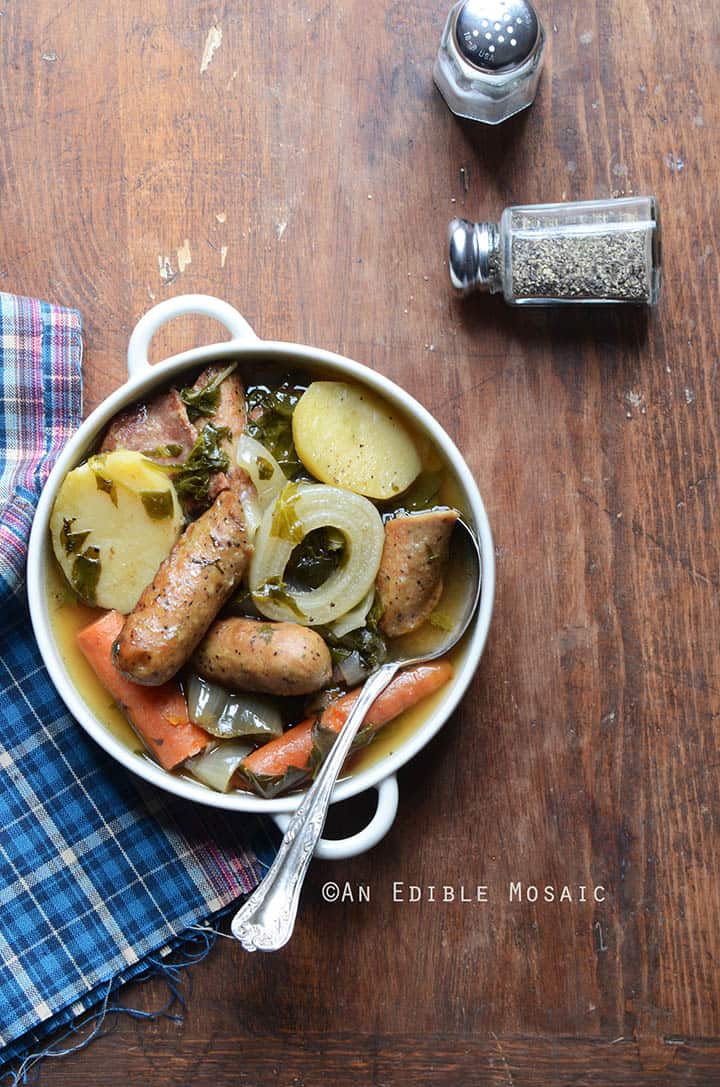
[[98, 872]]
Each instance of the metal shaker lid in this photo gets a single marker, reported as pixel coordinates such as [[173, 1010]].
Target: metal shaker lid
[[495, 35], [473, 256]]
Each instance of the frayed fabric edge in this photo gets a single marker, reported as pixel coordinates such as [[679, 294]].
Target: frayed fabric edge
[[170, 964]]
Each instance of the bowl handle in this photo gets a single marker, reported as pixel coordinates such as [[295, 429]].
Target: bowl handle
[[147, 326], [331, 849]]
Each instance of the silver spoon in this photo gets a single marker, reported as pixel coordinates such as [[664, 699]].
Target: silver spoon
[[266, 921]]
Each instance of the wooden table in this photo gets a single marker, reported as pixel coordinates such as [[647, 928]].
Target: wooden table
[[296, 160]]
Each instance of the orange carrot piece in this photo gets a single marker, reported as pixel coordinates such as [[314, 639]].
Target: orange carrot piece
[[294, 747], [158, 714]]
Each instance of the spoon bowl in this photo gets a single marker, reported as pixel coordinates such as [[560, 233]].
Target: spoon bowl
[[437, 638]]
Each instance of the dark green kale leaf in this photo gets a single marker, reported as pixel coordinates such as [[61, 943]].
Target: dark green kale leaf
[[323, 739], [86, 572], [192, 479], [270, 413], [320, 554], [270, 785], [367, 641], [205, 401]]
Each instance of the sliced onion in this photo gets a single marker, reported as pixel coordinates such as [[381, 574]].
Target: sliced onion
[[263, 469], [253, 513], [351, 671], [302, 508], [216, 765], [227, 714], [355, 618]]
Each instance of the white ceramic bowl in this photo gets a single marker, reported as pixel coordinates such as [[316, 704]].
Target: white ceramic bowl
[[143, 379]]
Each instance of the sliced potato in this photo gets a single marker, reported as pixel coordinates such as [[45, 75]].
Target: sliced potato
[[115, 519], [346, 436]]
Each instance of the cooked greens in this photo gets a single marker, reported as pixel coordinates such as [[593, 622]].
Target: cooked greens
[[275, 590], [86, 574], [367, 642], [160, 452], [241, 604], [270, 413], [158, 504], [205, 401], [264, 468], [323, 739], [286, 524], [270, 785], [423, 494], [315, 559], [192, 479]]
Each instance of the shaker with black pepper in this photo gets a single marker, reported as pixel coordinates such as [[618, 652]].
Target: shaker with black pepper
[[543, 254]]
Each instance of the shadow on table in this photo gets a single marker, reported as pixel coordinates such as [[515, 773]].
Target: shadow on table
[[615, 335], [350, 816]]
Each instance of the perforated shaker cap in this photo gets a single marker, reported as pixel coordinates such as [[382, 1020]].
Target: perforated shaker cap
[[496, 35]]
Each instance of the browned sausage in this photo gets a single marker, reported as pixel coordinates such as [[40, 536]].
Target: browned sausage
[[252, 655], [150, 426], [192, 584], [410, 578], [230, 411]]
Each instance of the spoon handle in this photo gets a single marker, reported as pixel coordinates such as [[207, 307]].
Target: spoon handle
[[266, 921]]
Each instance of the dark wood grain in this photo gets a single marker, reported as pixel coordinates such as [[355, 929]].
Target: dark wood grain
[[316, 150]]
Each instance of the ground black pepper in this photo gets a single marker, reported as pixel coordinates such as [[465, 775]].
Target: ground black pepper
[[592, 266]]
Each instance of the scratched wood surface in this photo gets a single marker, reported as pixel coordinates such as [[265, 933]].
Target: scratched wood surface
[[297, 161]]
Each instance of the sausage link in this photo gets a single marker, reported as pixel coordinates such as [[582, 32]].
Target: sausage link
[[410, 578], [253, 655], [191, 586]]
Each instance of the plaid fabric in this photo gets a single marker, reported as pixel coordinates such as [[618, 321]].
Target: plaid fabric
[[97, 871], [40, 406]]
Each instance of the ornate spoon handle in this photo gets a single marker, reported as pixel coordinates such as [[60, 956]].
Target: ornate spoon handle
[[266, 921]]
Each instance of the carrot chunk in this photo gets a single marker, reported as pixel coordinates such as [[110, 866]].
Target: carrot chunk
[[294, 747], [158, 714]]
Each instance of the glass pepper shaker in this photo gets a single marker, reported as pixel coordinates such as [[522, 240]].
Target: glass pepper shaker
[[547, 254], [490, 57]]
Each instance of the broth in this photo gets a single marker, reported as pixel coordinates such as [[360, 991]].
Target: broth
[[67, 618]]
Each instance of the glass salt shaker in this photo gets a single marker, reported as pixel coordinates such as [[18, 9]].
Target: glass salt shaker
[[490, 57], [546, 254]]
